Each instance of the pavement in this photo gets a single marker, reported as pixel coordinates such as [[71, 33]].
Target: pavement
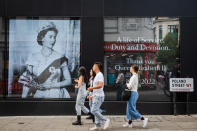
[[64, 123]]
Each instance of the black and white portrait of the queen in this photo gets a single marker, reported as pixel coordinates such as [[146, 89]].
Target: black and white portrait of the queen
[[42, 56]]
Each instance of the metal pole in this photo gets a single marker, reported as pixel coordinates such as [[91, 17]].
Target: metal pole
[[187, 104], [174, 103]]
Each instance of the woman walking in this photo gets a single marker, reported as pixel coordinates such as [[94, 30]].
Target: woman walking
[[92, 75], [81, 96], [131, 112]]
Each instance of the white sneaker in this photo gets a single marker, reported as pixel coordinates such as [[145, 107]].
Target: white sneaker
[[106, 125], [127, 125], [94, 128], [145, 122]]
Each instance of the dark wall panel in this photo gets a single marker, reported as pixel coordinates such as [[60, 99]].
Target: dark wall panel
[[92, 48], [150, 8], [99, 7], [68, 108], [188, 51], [19, 7], [92, 8], [1, 8], [20, 108], [43, 7]]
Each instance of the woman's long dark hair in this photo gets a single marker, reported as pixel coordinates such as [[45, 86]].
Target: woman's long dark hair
[[82, 72], [94, 74]]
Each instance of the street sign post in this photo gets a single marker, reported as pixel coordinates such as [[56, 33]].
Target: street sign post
[[181, 85]]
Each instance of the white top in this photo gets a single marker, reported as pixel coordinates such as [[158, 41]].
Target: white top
[[91, 82], [82, 90], [133, 83], [91, 85], [98, 78]]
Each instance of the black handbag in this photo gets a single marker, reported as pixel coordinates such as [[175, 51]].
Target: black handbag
[[126, 94]]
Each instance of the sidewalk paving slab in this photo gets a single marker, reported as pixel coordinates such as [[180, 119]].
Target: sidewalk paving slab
[[64, 123]]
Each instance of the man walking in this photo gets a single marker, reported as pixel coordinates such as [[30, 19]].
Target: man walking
[[98, 97]]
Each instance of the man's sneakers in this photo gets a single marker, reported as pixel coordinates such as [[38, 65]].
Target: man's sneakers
[[95, 128], [127, 125], [145, 122], [106, 125]]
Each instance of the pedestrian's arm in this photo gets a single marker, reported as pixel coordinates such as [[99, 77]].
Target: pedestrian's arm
[[100, 85], [79, 82]]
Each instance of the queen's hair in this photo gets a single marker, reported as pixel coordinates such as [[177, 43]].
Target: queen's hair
[[44, 30]]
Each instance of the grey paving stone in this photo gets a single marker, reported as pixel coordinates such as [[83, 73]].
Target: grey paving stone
[[64, 123]]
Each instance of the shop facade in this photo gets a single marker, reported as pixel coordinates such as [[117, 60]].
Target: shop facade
[[34, 79]]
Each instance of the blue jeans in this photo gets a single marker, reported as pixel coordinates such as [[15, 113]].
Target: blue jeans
[[90, 105], [96, 104], [131, 112], [79, 106]]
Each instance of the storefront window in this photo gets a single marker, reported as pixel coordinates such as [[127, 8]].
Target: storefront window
[[44, 56], [137, 41]]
